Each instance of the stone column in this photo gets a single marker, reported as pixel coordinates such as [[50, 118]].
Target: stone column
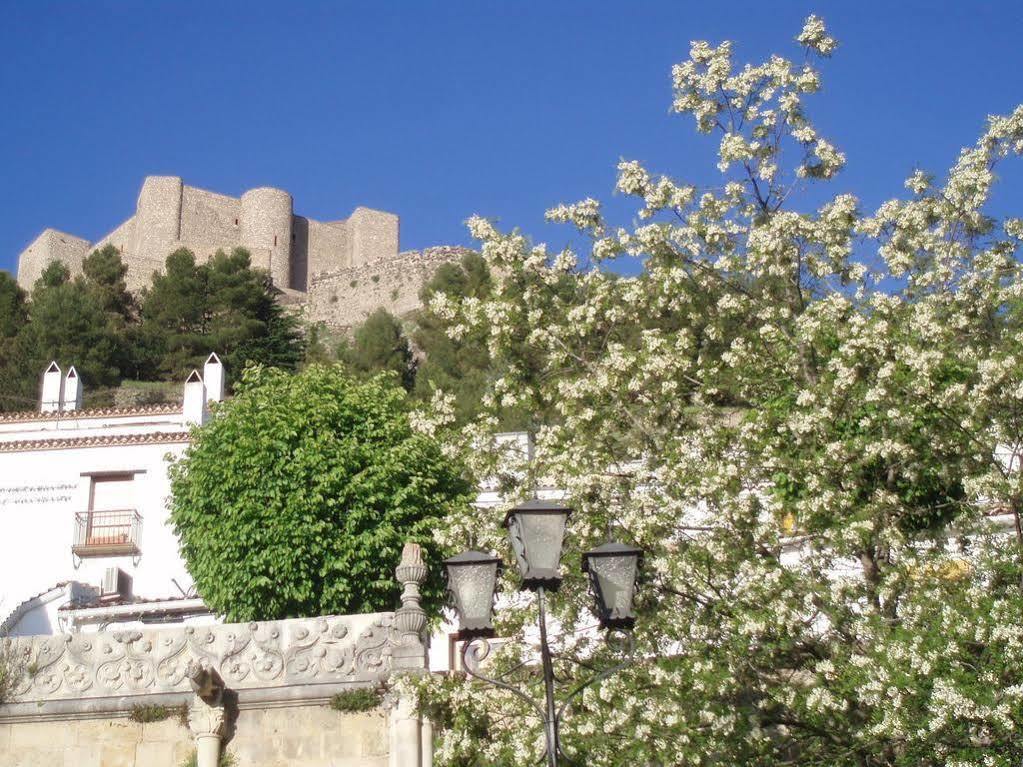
[[207, 725], [206, 713], [409, 656]]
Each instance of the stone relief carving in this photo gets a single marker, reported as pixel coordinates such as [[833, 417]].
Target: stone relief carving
[[268, 654]]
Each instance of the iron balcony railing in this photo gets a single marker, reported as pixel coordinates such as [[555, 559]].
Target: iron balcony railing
[[107, 533]]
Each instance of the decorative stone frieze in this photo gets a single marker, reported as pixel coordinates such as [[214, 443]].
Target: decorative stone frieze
[[326, 650]]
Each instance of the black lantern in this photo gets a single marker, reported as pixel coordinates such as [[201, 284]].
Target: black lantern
[[537, 530], [472, 579], [613, 568]]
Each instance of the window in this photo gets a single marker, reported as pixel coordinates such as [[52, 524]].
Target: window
[[111, 525]]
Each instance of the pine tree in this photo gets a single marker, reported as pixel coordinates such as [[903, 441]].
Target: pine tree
[[380, 345]]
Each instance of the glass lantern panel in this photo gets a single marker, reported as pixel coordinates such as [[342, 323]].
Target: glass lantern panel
[[473, 588], [617, 577], [544, 535]]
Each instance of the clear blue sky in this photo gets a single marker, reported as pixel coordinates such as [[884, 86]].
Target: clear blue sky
[[439, 110]]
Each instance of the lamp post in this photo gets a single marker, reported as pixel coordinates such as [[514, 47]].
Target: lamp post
[[536, 531]]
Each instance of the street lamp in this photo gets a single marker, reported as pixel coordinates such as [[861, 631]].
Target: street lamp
[[536, 530], [613, 568], [472, 579]]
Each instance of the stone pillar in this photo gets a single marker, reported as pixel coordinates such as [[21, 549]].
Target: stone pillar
[[406, 740], [206, 713], [207, 725], [409, 656], [426, 741]]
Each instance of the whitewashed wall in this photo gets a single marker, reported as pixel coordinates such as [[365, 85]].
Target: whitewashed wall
[[40, 492]]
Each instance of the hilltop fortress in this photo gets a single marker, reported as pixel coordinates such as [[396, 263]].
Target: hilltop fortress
[[340, 271]]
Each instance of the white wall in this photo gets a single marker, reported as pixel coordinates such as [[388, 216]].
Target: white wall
[[40, 492]]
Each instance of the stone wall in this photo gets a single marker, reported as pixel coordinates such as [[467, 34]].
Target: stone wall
[[260, 691], [49, 246], [344, 269], [344, 298], [305, 735]]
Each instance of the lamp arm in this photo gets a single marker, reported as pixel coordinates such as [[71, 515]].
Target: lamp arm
[[470, 648], [630, 644]]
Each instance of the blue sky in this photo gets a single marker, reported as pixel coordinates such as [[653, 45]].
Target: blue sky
[[439, 110]]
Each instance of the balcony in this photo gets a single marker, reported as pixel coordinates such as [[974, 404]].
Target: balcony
[[107, 533]]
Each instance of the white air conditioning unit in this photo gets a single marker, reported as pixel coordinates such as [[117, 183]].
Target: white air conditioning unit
[[116, 581]]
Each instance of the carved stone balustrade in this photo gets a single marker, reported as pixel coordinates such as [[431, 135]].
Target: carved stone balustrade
[[330, 650]]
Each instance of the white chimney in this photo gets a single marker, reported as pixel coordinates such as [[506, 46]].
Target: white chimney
[[213, 378], [195, 399], [72, 396], [52, 390]]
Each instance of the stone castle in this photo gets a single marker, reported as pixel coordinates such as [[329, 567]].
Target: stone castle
[[337, 271]]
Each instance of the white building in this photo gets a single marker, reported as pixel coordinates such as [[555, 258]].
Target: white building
[[85, 539]]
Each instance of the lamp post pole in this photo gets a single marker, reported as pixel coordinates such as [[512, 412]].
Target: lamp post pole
[[551, 725], [536, 531]]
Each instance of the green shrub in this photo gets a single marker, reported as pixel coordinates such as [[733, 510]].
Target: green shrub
[[361, 699], [142, 713]]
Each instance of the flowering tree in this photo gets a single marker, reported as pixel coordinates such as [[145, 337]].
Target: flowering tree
[[810, 419]]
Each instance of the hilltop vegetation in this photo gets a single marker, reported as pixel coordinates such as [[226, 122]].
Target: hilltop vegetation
[[138, 342], [93, 322]]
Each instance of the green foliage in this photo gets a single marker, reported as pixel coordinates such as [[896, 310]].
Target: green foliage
[[96, 324], [379, 345], [105, 272], [143, 713], [296, 500], [13, 311], [223, 306], [460, 368], [67, 322], [362, 699]]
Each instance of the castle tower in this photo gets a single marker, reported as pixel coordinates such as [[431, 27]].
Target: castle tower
[[158, 217], [265, 229]]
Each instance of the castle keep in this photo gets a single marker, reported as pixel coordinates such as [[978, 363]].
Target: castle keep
[[340, 270]]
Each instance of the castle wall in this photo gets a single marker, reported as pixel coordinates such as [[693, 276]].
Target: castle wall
[[266, 216], [328, 249], [346, 297], [49, 246], [209, 221], [295, 250], [373, 234], [158, 217], [122, 238]]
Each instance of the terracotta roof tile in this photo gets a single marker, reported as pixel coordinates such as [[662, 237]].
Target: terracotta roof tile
[[115, 600], [67, 443], [98, 412]]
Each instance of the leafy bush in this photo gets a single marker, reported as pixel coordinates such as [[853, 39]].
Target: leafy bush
[[362, 699], [297, 498]]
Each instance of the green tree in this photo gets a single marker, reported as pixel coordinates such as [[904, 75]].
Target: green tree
[[296, 499], [459, 367], [13, 310], [104, 273], [379, 345], [67, 322], [13, 316], [221, 306]]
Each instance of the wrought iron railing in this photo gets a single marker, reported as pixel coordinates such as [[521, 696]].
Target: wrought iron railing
[[107, 533]]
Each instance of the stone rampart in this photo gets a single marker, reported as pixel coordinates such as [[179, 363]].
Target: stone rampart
[[344, 298], [49, 246]]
